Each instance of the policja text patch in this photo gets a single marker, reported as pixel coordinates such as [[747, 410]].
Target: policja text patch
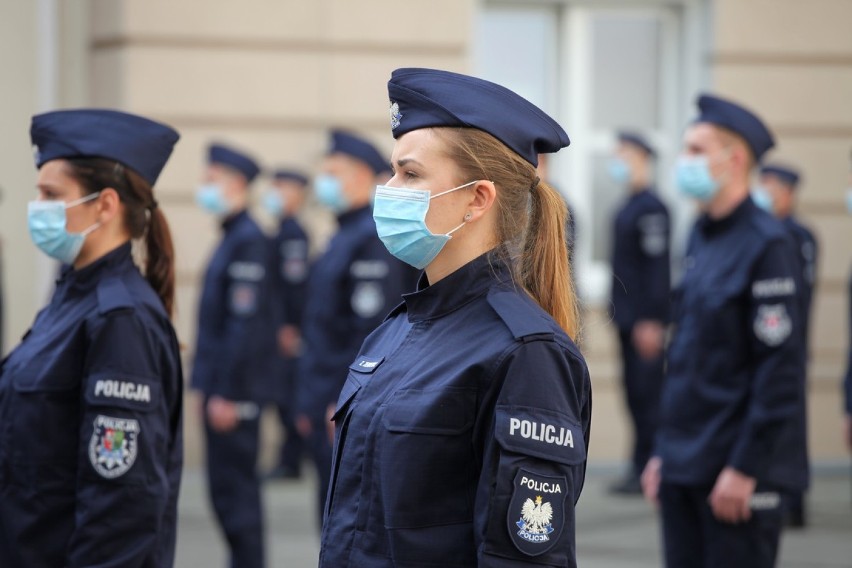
[[536, 512]]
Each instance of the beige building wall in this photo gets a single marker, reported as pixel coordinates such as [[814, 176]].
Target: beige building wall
[[792, 62]]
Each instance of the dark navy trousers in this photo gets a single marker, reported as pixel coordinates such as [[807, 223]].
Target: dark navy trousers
[[694, 538], [643, 382], [235, 490]]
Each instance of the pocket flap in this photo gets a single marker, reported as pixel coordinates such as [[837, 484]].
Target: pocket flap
[[447, 411]]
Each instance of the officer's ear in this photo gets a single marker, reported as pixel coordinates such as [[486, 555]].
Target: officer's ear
[[109, 205], [482, 197]]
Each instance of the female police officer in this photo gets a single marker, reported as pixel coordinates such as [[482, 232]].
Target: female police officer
[[90, 401], [462, 428]]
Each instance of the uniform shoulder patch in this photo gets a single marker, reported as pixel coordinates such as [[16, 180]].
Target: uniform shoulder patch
[[113, 295], [536, 513], [545, 434], [114, 445], [520, 317], [367, 299], [772, 324]]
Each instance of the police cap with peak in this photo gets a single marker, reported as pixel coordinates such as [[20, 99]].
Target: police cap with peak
[[737, 119], [138, 143], [424, 98]]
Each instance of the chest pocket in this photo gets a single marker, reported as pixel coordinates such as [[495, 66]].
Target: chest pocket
[[723, 318], [426, 443]]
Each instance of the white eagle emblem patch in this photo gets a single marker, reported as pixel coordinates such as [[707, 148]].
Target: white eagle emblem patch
[[114, 445], [535, 523], [772, 325], [395, 115]]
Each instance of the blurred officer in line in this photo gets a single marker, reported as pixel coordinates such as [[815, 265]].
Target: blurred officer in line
[[1, 287], [233, 353], [91, 433], [733, 377], [779, 185], [351, 288], [847, 381], [640, 295], [462, 429], [543, 170], [288, 274]]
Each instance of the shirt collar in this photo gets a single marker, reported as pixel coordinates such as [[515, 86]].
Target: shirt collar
[[469, 282], [90, 273], [353, 215], [710, 226], [231, 220]]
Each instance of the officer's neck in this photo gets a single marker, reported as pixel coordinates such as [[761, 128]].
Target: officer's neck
[[640, 178], [729, 198]]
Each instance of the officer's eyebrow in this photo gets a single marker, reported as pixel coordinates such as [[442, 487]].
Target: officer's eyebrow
[[403, 161]]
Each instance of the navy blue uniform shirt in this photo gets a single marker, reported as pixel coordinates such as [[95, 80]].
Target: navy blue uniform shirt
[[351, 288], [90, 426], [734, 364], [807, 252], [461, 433], [235, 342], [641, 281], [847, 381], [288, 272]]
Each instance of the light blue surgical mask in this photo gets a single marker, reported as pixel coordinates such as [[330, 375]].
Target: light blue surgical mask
[[762, 199], [273, 203], [211, 198], [329, 192], [693, 178], [849, 200], [618, 170], [400, 216], [47, 223]]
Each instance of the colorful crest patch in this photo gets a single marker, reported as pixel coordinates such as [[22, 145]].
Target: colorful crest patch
[[772, 324], [395, 115], [114, 445], [536, 512]]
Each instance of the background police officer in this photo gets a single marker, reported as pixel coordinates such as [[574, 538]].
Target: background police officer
[[640, 294], [351, 288], [91, 433], [780, 184], [847, 381], [233, 352], [288, 274], [733, 376]]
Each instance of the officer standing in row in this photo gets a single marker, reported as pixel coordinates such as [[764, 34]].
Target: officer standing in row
[[462, 429], [847, 380], [780, 184], [351, 288], [733, 378], [233, 353], [91, 433], [640, 295], [288, 274]]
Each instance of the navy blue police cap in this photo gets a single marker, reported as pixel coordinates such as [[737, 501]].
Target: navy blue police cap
[[425, 98], [138, 143], [343, 142], [787, 175], [284, 174], [636, 139], [739, 120], [234, 159]]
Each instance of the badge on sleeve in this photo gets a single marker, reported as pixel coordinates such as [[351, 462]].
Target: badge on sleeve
[[367, 299], [772, 324], [114, 445], [536, 512], [243, 299]]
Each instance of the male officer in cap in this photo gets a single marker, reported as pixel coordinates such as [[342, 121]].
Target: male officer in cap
[[640, 295], [233, 352], [351, 288], [780, 184], [847, 381], [734, 361], [288, 273]]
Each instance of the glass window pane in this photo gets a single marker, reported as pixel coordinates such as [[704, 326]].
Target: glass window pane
[[625, 69]]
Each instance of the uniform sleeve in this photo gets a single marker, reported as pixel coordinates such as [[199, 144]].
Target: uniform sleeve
[[294, 278], [534, 460], [653, 232], [777, 359], [847, 381], [129, 418], [246, 295]]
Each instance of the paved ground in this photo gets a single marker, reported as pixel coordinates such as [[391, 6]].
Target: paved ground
[[612, 532]]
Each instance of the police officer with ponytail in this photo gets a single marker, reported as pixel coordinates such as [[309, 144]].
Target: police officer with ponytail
[[462, 428], [90, 400]]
